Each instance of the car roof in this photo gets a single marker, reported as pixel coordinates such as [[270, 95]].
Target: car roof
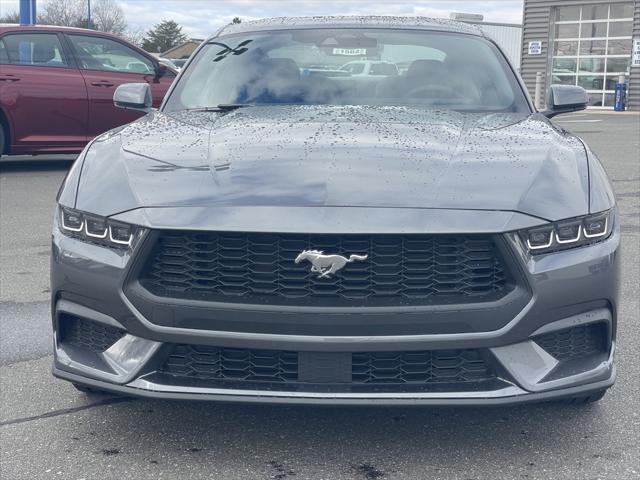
[[14, 27], [409, 23]]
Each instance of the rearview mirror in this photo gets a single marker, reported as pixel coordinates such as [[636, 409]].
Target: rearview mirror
[[565, 99], [133, 96]]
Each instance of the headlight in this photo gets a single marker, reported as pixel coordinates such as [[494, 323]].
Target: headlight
[[571, 233], [96, 229]]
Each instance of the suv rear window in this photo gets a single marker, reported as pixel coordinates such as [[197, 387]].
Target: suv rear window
[[42, 49]]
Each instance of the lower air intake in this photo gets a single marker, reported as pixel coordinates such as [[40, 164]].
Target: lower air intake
[[87, 334], [575, 342], [359, 371]]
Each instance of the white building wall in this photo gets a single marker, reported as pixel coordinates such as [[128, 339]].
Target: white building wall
[[508, 36]]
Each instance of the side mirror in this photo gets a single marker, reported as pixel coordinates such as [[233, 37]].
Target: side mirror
[[565, 99], [161, 70], [133, 96]]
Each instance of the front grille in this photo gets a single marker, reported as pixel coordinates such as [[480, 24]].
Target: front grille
[[87, 334], [438, 366], [204, 362], [575, 342], [260, 268], [246, 368]]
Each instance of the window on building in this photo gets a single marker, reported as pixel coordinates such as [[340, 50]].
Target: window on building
[[564, 14], [592, 48], [567, 30], [595, 12], [621, 10], [619, 47], [591, 65], [593, 30], [620, 29], [565, 48], [618, 65]]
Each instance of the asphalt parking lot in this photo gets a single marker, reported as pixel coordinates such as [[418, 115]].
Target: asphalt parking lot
[[49, 430]]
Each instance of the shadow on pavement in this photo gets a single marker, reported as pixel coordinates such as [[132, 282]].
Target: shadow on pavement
[[25, 164], [375, 432]]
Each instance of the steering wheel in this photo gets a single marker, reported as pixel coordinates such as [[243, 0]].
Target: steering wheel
[[438, 90]]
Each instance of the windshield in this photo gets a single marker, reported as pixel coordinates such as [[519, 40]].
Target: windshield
[[350, 67]]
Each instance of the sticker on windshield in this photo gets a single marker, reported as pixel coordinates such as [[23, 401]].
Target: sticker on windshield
[[350, 51]]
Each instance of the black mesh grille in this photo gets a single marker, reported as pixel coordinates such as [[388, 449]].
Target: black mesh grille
[[87, 334], [204, 362], [258, 267], [239, 368], [574, 342], [438, 366]]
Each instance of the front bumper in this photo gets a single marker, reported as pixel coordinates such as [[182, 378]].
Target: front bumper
[[509, 396], [570, 289]]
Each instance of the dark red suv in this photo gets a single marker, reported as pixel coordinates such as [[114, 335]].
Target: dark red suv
[[57, 84]]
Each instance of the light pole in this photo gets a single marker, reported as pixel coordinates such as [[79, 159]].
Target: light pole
[[88, 13], [27, 12]]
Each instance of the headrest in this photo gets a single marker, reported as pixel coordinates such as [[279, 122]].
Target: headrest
[[282, 67], [426, 69], [43, 52]]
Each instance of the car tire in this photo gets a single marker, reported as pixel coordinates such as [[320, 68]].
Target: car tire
[[2, 139], [587, 399]]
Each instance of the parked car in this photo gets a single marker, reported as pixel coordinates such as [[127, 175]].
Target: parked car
[[169, 63], [57, 85], [427, 238], [179, 62]]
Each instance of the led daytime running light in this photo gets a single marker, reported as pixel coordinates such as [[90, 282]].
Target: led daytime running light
[[552, 241], [106, 237]]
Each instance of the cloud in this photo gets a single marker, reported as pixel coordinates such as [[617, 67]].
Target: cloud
[[201, 18]]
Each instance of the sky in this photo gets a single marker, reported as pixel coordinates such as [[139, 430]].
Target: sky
[[201, 18]]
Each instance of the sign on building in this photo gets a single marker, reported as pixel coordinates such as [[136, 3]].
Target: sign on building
[[535, 47], [635, 58]]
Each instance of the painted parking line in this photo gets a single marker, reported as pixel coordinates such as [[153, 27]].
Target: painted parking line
[[575, 115], [578, 121]]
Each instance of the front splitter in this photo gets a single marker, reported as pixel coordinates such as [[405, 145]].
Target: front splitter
[[510, 395]]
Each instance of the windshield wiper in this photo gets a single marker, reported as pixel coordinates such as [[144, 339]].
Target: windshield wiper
[[223, 107]]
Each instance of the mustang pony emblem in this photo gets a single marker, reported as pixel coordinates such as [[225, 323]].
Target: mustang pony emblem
[[326, 265]]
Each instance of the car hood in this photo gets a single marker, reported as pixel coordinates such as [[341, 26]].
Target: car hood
[[390, 157]]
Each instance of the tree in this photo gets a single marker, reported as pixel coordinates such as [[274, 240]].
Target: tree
[[163, 36], [66, 13], [106, 15], [134, 35], [11, 17], [236, 20]]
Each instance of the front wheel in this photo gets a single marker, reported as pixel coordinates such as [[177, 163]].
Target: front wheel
[[2, 139]]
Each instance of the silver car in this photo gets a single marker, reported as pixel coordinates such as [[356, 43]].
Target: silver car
[[273, 236]]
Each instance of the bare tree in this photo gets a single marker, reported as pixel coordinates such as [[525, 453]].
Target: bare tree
[[11, 17], [134, 35], [107, 16], [68, 13]]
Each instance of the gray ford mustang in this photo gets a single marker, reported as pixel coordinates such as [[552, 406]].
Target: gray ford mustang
[[287, 229]]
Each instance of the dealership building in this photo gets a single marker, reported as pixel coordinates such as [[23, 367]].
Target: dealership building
[[583, 42]]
